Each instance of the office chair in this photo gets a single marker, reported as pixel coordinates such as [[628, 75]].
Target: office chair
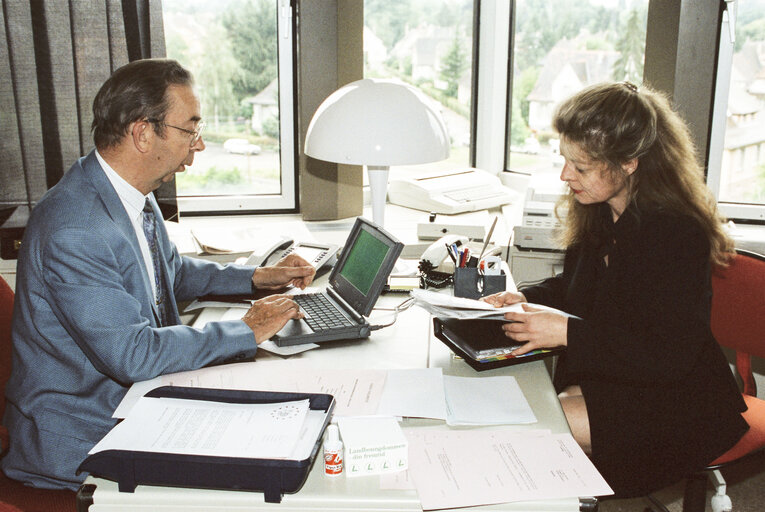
[[15, 496], [738, 322]]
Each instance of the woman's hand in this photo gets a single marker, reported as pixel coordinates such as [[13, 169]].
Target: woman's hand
[[504, 298], [538, 328], [292, 269]]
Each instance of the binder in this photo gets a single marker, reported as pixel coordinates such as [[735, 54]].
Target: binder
[[483, 344], [273, 477]]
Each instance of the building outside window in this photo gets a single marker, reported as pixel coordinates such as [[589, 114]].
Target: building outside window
[[233, 49], [427, 44], [737, 160], [559, 48]]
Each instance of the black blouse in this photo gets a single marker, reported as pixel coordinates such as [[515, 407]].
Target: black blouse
[[660, 396]]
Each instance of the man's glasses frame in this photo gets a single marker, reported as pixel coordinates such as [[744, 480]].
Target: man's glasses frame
[[195, 134]]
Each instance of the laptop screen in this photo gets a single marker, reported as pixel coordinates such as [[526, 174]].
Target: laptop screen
[[364, 264]]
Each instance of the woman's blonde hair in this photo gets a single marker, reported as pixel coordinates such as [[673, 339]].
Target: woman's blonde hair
[[615, 123]]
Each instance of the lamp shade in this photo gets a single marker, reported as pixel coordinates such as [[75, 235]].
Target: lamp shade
[[377, 123]]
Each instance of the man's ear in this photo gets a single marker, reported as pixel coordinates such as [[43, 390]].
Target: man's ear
[[142, 134], [630, 166]]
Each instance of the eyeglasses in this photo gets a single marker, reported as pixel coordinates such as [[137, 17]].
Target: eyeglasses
[[195, 134]]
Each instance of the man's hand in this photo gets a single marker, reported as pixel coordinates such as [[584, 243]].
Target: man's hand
[[539, 328], [291, 269], [267, 316]]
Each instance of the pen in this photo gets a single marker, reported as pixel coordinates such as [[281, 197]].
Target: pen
[[450, 253], [488, 237]]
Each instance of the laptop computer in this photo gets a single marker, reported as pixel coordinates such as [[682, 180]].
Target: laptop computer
[[355, 284]]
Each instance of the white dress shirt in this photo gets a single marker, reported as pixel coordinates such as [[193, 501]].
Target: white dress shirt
[[133, 201]]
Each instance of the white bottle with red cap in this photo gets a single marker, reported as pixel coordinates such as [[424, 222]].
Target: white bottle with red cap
[[333, 452]]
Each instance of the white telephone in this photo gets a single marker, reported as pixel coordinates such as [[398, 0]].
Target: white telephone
[[318, 255], [437, 255], [436, 266]]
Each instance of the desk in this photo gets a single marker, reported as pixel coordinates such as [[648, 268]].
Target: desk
[[407, 344]]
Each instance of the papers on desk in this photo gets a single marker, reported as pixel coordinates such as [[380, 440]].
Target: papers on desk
[[217, 240], [463, 468], [486, 401], [199, 427], [413, 393], [356, 392], [447, 306]]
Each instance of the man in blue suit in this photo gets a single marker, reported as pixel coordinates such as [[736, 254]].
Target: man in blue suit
[[98, 280]]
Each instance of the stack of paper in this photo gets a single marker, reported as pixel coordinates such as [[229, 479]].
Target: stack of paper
[[447, 306]]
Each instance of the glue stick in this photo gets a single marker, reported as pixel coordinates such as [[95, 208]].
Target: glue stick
[[333, 452]]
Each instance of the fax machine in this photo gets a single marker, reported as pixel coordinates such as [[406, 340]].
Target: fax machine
[[539, 224], [458, 191]]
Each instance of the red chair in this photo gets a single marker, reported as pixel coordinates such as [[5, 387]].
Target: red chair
[[15, 496], [738, 322]]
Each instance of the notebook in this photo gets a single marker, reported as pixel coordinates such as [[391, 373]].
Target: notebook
[[482, 343], [355, 284]]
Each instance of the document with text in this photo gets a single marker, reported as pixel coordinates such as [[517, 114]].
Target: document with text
[[356, 392], [200, 427], [463, 468]]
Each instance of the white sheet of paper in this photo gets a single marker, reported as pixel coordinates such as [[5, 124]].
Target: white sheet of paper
[[414, 393], [199, 427], [462, 468], [448, 306], [486, 401], [356, 392]]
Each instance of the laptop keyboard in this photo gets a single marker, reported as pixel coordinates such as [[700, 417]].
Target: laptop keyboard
[[321, 314]]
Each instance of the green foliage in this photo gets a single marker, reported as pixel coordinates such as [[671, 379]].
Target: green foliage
[[212, 178], [454, 64], [251, 28], [271, 127], [518, 127], [631, 47], [521, 90]]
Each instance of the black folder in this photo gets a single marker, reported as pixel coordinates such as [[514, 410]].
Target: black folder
[[273, 477], [472, 339]]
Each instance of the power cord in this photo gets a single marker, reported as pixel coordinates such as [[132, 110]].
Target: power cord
[[406, 304]]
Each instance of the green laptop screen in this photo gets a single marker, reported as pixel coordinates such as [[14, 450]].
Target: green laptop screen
[[364, 261]]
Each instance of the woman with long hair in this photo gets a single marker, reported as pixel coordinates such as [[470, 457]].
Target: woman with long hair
[[644, 385]]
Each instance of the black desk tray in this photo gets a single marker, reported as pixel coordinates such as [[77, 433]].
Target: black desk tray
[[273, 477], [464, 336]]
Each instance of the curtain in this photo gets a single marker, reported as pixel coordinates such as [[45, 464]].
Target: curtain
[[54, 56]]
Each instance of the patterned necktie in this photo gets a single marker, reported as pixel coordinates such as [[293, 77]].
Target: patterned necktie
[[150, 231]]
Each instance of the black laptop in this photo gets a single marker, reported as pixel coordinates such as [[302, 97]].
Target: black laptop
[[355, 283]]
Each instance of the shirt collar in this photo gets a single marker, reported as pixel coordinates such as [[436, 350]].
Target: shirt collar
[[130, 196]]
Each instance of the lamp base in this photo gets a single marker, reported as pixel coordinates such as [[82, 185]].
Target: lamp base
[[378, 188]]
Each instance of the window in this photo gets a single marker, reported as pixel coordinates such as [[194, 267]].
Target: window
[[559, 48], [428, 44], [240, 52], [737, 150]]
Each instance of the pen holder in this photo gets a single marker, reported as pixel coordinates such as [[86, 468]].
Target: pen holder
[[469, 283]]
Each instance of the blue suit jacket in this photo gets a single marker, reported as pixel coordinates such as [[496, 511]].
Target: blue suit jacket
[[84, 328]]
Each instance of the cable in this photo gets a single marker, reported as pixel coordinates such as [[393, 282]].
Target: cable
[[406, 304]]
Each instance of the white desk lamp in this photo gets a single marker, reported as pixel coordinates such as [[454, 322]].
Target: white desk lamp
[[377, 123]]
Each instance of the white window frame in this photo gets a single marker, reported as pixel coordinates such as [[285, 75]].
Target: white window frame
[[735, 211], [287, 199]]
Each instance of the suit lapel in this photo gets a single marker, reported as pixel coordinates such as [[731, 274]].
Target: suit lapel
[[96, 176]]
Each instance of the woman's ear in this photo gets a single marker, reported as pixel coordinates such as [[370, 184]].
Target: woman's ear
[[142, 134], [630, 166]]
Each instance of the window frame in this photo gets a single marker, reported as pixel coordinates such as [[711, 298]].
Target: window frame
[[739, 212], [286, 200]]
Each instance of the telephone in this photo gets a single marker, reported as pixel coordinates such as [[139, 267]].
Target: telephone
[[321, 256]]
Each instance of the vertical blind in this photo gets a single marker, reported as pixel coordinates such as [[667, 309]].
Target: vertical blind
[[54, 56]]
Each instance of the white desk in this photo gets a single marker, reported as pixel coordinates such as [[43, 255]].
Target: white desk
[[407, 344]]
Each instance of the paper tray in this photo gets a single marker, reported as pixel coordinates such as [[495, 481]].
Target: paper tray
[[476, 334], [273, 477]]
